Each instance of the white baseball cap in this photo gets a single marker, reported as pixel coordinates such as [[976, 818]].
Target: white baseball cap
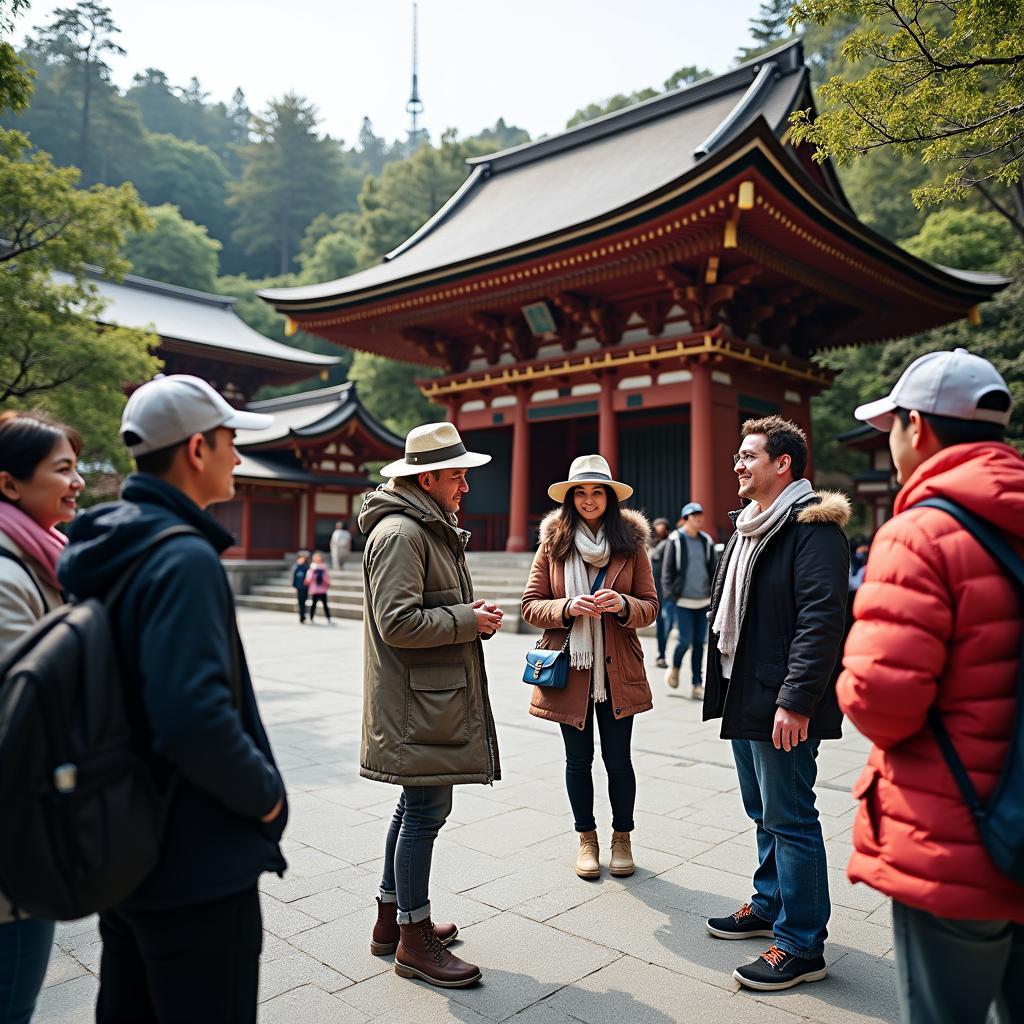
[[942, 384], [168, 410]]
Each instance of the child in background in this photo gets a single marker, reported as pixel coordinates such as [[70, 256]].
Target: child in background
[[318, 581]]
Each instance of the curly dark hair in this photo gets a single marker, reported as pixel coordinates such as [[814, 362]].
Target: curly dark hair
[[783, 437], [562, 539]]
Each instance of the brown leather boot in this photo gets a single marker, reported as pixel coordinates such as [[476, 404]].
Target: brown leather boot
[[420, 954], [621, 865], [386, 932], [587, 864]]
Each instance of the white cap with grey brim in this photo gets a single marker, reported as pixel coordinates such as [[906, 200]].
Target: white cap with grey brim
[[168, 410], [941, 384]]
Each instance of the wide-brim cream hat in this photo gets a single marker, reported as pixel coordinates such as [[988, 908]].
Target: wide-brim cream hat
[[589, 469], [434, 446]]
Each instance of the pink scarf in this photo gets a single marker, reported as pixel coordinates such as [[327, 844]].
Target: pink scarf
[[42, 546]]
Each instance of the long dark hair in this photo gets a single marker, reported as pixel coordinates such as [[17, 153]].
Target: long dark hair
[[27, 438], [562, 539]]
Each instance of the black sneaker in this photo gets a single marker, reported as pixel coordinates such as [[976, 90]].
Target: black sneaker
[[744, 924], [775, 969]]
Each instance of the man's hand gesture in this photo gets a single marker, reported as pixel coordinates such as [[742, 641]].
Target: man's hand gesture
[[488, 618]]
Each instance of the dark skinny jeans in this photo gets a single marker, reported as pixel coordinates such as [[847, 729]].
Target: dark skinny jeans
[[322, 599], [616, 734]]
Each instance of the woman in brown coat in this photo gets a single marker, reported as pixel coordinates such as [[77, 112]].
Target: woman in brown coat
[[590, 536]]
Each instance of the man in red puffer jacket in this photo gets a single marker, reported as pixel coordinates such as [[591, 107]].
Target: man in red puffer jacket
[[938, 624]]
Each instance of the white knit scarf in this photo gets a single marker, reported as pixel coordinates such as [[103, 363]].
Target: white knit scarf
[[586, 639], [752, 527]]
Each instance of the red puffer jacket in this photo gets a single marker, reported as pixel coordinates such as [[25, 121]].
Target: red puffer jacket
[[937, 623]]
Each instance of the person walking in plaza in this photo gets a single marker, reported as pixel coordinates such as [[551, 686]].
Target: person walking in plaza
[[937, 642], [341, 545], [427, 721], [591, 586], [318, 583], [186, 944], [777, 619], [686, 574], [656, 551], [299, 570], [39, 488]]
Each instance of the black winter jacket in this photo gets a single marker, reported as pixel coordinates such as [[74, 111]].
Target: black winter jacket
[[792, 632], [673, 570], [173, 625]]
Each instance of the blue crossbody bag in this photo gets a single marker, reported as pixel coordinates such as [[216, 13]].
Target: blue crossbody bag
[[551, 668]]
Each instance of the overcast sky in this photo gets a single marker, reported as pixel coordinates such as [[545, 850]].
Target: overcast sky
[[532, 62]]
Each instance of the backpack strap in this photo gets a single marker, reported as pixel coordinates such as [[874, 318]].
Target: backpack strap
[[992, 540], [11, 557]]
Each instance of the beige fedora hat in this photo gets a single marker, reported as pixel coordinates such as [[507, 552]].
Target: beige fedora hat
[[589, 469], [434, 446]]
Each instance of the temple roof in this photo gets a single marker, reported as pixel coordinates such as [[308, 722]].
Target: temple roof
[[283, 467], [545, 187], [195, 318], [314, 415]]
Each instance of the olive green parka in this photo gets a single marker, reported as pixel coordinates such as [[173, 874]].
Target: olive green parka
[[426, 714]]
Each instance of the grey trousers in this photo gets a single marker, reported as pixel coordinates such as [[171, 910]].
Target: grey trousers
[[958, 972]]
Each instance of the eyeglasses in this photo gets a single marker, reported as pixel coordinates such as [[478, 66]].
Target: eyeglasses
[[747, 458]]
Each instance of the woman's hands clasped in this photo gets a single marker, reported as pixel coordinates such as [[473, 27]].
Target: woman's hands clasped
[[593, 606]]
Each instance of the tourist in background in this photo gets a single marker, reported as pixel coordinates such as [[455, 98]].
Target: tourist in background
[[777, 618], [938, 629], [686, 574], [656, 550], [39, 488], [341, 545], [318, 583], [299, 570], [591, 584], [427, 721]]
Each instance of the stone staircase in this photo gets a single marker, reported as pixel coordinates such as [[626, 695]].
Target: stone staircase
[[497, 576]]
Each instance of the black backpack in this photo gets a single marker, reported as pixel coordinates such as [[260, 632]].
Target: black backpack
[[82, 815], [1000, 821]]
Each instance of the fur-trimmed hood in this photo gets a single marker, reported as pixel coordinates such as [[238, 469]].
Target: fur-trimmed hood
[[636, 521], [831, 507]]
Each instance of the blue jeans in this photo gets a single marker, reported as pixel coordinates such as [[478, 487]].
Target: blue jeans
[[24, 954], [663, 625], [420, 813], [692, 624], [791, 880]]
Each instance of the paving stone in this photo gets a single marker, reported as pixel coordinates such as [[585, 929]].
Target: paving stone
[[283, 919], [510, 833], [858, 897], [295, 970], [330, 905], [344, 944], [69, 934], [62, 967], [89, 956], [354, 879], [69, 1003], [308, 1004]]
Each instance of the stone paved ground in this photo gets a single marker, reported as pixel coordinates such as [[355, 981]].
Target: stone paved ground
[[553, 949]]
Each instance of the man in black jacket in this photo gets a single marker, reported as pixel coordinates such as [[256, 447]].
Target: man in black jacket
[[186, 944], [777, 619], [686, 574]]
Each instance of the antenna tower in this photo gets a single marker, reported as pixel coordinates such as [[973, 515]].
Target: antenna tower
[[415, 105]]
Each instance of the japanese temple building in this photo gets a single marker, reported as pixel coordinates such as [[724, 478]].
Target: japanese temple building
[[301, 475], [638, 285]]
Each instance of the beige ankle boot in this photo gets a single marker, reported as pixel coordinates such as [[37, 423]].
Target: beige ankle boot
[[587, 864], [621, 863]]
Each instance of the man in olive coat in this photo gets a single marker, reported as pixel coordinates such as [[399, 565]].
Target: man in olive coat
[[427, 722]]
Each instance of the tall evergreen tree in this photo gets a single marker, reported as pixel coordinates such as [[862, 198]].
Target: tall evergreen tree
[[768, 28]]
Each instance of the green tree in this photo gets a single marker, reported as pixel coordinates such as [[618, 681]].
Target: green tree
[[187, 175], [291, 175], [768, 29], [940, 81], [81, 37], [969, 239], [53, 354], [678, 79], [15, 74], [388, 390], [174, 250], [333, 256]]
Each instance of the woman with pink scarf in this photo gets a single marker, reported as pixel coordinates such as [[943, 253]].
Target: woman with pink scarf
[[39, 487]]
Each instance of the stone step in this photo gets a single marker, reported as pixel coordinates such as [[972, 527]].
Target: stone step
[[504, 595]]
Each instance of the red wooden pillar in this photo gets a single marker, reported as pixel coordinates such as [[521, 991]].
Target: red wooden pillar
[[702, 467], [607, 434], [246, 538], [519, 497], [453, 412]]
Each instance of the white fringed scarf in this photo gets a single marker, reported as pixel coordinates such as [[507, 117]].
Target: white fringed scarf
[[751, 528], [586, 639]]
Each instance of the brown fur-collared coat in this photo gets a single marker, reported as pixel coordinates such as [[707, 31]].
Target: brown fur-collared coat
[[544, 602]]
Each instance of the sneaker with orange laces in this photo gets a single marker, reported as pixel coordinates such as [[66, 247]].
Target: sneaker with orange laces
[[744, 924], [776, 969]]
